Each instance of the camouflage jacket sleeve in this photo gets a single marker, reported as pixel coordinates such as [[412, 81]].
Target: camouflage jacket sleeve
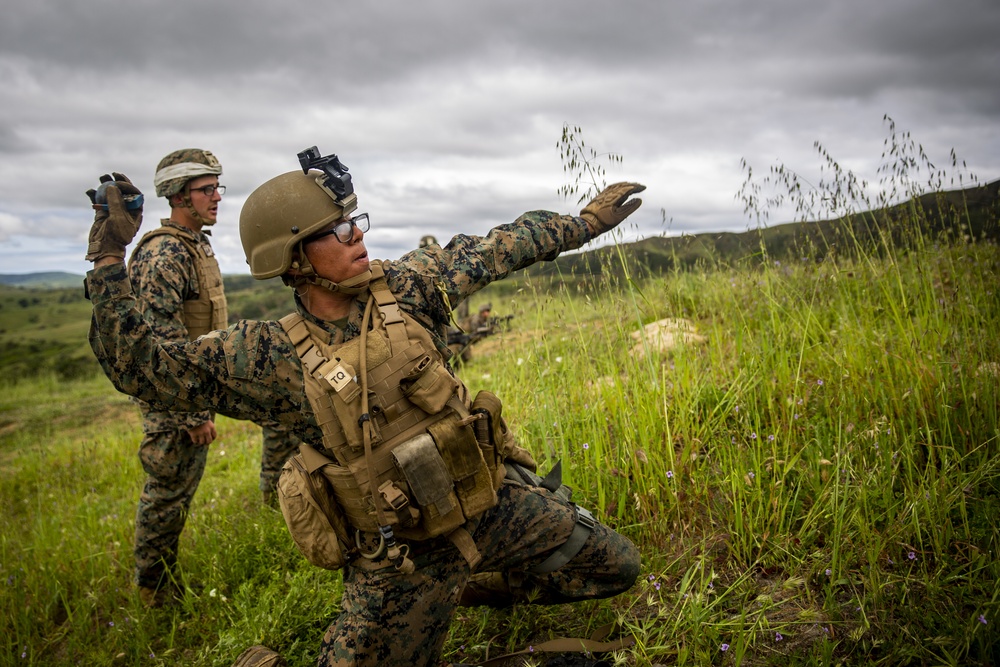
[[424, 278], [250, 371], [163, 276]]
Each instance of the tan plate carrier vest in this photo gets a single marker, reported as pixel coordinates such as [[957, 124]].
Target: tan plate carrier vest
[[208, 310], [413, 459]]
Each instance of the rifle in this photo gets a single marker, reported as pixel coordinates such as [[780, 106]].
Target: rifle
[[496, 323], [457, 337]]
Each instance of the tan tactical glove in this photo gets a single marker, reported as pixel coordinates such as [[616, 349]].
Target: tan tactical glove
[[118, 206], [609, 208]]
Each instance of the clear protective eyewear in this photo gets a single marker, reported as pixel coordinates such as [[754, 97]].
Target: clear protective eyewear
[[210, 190], [344, 230]]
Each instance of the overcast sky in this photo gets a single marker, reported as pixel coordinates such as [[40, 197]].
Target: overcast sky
[[448, 112]]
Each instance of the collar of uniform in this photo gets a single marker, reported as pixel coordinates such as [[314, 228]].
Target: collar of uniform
[[195, 236], [326, 327]]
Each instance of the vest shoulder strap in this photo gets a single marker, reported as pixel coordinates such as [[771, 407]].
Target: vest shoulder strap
[[166, 230], [387, 306], [298, 332]]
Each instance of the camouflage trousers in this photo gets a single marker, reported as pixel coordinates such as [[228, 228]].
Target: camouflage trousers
[[278, 445], [395, 620], [174, 466]]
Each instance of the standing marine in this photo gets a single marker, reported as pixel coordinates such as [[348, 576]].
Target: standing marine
[[179, 289], [405, 480]]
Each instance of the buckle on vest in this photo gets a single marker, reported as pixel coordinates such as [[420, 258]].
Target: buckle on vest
[[393, 496], [585, 518]]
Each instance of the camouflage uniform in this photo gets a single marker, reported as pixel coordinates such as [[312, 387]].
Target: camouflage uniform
[[278, 444], [253, 371], [163, 277], [479, 324]]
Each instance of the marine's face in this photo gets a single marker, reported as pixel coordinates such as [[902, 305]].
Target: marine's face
[[335, 260], [207, 206]]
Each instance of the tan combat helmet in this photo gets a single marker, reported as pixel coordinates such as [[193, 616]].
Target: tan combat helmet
[[427, 240], [282, 213], [177, 169]]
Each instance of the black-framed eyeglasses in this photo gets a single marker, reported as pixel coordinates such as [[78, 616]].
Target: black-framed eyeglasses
[[210, 190], [344, 230]]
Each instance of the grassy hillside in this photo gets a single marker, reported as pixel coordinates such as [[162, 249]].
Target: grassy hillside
[[814, 480], [44, 331], [818, 482], [928, 217], [43, 280]]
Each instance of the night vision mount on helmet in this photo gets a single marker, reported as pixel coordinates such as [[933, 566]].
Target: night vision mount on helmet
[[336, 179]]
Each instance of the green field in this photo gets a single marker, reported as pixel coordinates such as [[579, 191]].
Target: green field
[[817, 481]]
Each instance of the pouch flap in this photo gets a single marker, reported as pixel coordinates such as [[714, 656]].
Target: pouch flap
[[425, 472]]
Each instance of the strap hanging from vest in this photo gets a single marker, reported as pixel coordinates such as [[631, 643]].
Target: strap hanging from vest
[[398, 556], [595, 644]]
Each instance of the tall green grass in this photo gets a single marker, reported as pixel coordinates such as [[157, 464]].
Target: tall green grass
[[815, 483], [819, 480]]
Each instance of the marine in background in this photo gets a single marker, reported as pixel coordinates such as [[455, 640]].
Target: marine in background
[[179, 288]]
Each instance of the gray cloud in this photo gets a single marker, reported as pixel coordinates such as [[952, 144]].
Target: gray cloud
[[448, 112]]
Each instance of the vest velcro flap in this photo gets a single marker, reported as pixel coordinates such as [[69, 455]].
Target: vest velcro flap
[[458, 448], [425, 472], [429, 385], [464, 459]]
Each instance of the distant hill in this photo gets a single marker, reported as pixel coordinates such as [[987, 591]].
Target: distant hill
[[45, 280], [971, 213]]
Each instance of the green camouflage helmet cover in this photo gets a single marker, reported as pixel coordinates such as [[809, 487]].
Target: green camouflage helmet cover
[[281, 213], [176, 169]]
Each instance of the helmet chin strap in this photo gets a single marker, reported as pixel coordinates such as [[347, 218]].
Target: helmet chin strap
[[307, 276], [189, 205]]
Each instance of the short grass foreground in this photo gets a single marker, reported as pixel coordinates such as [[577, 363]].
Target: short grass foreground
[[813, 481]]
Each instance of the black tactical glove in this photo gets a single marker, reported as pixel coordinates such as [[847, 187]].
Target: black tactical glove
[[118, 206], [609, 208]]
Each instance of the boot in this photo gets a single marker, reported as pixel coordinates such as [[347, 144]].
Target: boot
[[162, 596], [487, 589], [259, 656]]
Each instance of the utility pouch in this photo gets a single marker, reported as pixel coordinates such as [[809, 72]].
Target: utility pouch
[[357, 506], [463, 458], [315, 522], [349, 415], [489, 430], [430, 484], [340, 375], [428, 385]]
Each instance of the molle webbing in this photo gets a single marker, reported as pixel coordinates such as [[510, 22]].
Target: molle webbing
[[394, 418], [208, 311]]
